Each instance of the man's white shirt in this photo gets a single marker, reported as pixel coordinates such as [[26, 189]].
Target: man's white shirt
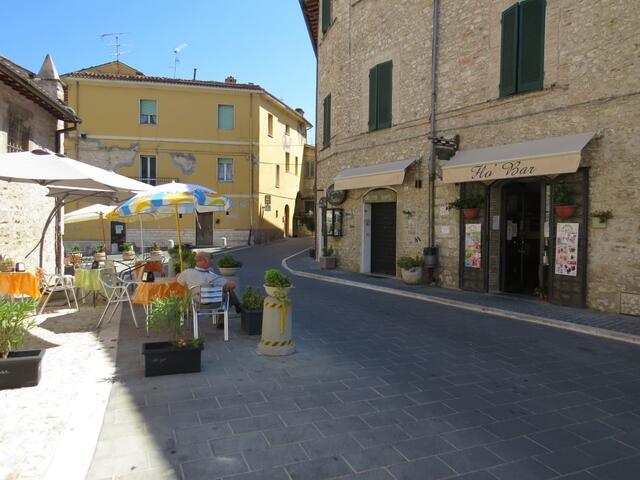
[[193, 277]]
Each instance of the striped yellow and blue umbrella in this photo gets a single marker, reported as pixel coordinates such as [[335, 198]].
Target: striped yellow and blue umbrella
[[173, 198]]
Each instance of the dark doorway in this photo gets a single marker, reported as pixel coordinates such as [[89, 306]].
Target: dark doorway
[[118, 233], [383, 238], [204, 230], [521, 233], [286, 221]]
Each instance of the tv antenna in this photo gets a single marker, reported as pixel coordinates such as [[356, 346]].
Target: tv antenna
[[176, 60], [116, 37]]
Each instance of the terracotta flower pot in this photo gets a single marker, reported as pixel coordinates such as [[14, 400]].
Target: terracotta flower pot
[[565, 211], [470, 213]]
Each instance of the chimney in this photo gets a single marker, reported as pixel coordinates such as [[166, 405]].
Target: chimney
[[231, 80], [195, 70], [49, 80], [300, 111]]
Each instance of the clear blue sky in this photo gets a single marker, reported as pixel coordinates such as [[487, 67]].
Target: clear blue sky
[[259, 41]]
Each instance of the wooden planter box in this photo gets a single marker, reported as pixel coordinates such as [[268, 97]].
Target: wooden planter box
[[164, 358], [251, 321], [21, 369], [327, 263]]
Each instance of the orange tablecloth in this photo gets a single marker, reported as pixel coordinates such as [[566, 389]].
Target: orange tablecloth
[[19, 283], [153, 266], [146, 292]]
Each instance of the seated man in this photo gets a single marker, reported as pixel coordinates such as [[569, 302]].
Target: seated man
[[202, 275]]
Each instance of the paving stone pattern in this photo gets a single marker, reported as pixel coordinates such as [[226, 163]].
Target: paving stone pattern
[[380, 388]]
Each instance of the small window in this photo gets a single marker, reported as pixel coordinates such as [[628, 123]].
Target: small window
[[226, 117], [287, 162], [225, 170], [309, 170], [148, 112], [148, 169], [326, 121], [277, 176], [287, 130], [296, 167], [18, 134], [270, 125], [380, 93]]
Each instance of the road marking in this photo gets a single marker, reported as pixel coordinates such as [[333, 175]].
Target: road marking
[[549, 322]]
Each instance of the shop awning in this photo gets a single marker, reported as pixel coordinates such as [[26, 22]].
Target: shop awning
[[549, 156], [380, 175]]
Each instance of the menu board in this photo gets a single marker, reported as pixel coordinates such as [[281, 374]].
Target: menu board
[[473, 245], [567, 249]]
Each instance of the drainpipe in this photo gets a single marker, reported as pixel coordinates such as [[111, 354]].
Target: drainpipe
[[315, 174], [432, 150]]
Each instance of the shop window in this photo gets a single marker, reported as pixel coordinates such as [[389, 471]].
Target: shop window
[[380, 94], [148, 112], [522, 47], [333, 222]]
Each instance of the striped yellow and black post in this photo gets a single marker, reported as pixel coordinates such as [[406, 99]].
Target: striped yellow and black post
[[276, 328]]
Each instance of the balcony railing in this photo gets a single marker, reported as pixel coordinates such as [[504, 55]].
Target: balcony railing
[[156, 180]]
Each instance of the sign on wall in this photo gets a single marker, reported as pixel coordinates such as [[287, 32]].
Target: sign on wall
[[473, 245], [567, 249]]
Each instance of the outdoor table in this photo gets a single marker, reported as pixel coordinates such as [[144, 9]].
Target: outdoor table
[[151, 266], [88, 280], [19, 283], [147, 292]]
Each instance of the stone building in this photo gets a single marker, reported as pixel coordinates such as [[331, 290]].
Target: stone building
[[304, 216], [32, 116], [532, 101]]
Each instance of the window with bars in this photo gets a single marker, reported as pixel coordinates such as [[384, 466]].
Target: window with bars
[[225, 169], [18, 134], [148, 173], [148, 112]]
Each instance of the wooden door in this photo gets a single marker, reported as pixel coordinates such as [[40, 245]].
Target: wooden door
[[204, 230], [383, 238]]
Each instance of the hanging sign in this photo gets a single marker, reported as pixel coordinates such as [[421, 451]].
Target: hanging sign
[[473, 245], [567, 249]]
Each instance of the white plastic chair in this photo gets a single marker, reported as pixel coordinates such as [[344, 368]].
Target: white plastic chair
[[53, 282], [117, 291], [210, 300]]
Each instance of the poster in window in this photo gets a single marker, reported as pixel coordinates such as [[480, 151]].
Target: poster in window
[[473, 245], [567, 249]]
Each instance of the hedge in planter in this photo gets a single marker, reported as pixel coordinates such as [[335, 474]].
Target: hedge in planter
[[251, 315], [180, 355], [228, 265], [17, 368]]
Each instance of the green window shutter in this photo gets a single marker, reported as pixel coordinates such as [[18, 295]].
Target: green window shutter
[[373, 98], [385, 73], [326, 15], [225, 116], [326, 123], [531, 45], [147, 107], [509, 51]]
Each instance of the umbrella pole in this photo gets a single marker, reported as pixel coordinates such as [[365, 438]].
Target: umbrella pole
[[104, 237], [179, 241], [141, 237]]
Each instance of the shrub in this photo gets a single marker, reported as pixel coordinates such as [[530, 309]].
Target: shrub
[[275, 278], [167, 313], [228, 261], [562, 194], [126, 247], [14, 324], [603, 215], [467, 201], [327, 251], [252, 298], [407, 263], [100, 248]]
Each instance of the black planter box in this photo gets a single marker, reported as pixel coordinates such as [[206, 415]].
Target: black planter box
[[21, 369], [163, 358], [251, 321]]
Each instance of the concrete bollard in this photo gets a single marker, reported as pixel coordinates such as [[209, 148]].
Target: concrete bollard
[[276, 328]]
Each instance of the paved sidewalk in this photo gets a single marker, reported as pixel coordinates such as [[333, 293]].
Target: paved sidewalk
[[627, 326]]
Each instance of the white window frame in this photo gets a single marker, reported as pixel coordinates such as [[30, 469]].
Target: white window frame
[[233, 123], [149, 117], [148, 178], [228, 172]]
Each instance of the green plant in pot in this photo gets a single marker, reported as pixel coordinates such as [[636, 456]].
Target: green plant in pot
[[328, 258], [128, 252], [156, 253], [564, 205], [188, 257], [251, 315], [100, 254], [599, 218], [179, 355], [411, 269], [228, 265], [469, 205], [276, 284], [19, 368]]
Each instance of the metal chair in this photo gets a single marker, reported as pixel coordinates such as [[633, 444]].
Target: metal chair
[[53, 282], [117, 290], [210, 300]]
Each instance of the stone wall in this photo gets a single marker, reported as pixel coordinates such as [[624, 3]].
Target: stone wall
[[25, 208]]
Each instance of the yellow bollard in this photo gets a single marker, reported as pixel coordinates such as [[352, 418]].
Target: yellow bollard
[[276, 328]]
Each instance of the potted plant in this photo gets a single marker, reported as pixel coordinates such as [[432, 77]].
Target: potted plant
[[76, 254], [411, 269], [599, 218], [17, 368], [156, 253], [541, 293], [128, 253], [179, 355], [469, 204], [276, 283], [6, 264], [563, 204], [251, 314], [228, 265], [328, 259], [188, 257], [100, 255]]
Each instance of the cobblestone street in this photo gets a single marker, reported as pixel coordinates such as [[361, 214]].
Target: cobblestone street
[[380, 388]]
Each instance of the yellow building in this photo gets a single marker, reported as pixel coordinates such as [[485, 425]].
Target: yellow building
[[304, 222], [234, 138]]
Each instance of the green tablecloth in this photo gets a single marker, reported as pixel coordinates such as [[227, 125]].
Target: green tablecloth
[[88, 280]]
